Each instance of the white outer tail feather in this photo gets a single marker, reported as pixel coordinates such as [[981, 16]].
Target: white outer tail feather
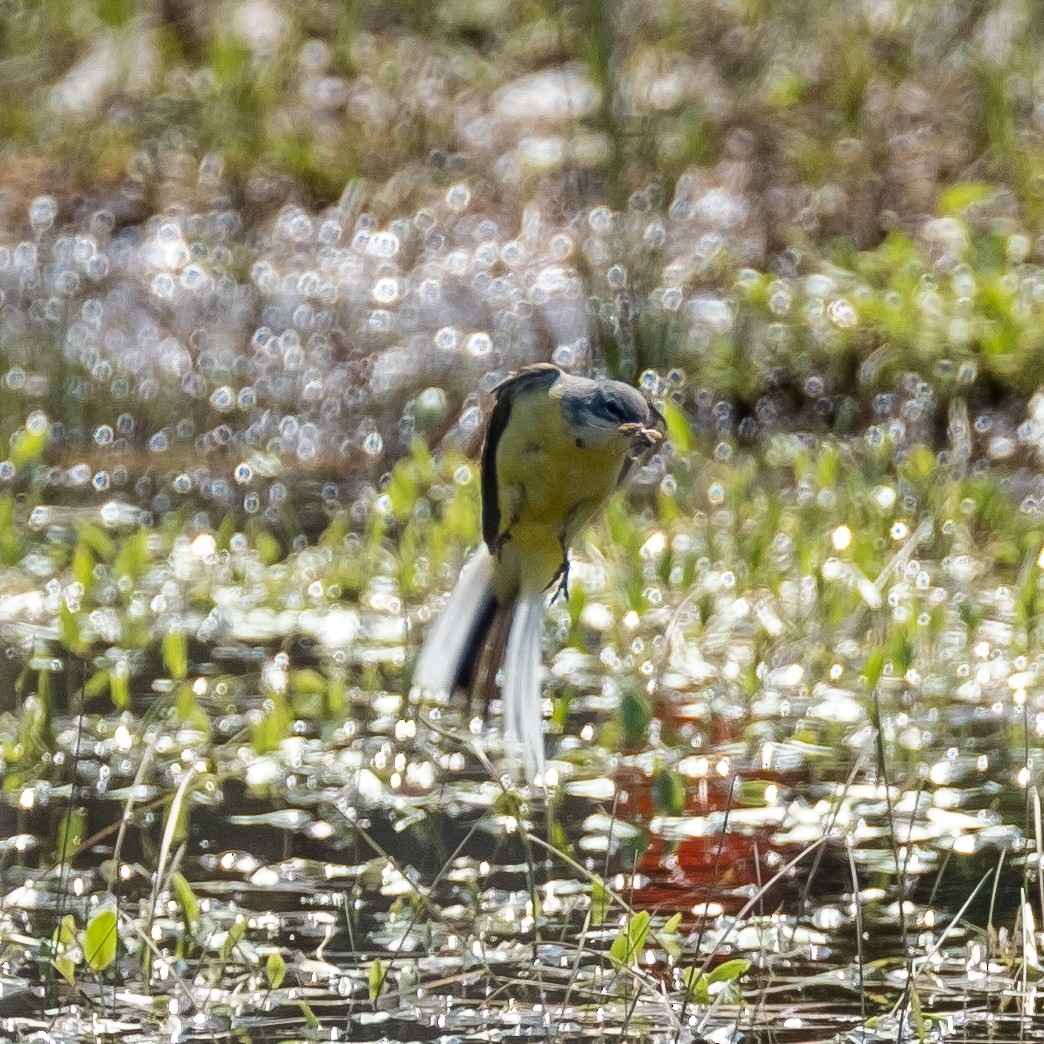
[[523, 716], [447, 641]]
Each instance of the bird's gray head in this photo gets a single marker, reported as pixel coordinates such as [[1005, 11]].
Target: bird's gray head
[[602, 410]]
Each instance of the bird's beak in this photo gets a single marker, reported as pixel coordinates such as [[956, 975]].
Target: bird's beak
[[648, 438]]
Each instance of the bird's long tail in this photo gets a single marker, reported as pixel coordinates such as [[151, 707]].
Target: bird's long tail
[[454, 645], [523, 716], [466, 645]]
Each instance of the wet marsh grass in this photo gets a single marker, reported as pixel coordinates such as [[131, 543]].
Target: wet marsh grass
[[862, 604]]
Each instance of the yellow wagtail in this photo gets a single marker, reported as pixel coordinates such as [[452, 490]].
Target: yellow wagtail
[[556, 447]]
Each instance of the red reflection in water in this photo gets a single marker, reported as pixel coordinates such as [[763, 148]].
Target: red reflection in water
[[723, 866]]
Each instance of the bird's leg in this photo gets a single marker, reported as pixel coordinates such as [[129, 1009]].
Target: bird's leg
[[497, 547], [562, 577]]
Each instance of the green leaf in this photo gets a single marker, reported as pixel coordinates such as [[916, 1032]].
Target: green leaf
[[420, 455], [921, 1024], [45, 690], [175, 654], [83, 565], [275, 970], [65, 934], [902, 649], [69, 631], [402, 490], [635, 715], [96, 684], [460, 519], [956, 200], [99, 946], [187, 902], [229, 61], [27, 447], [335, 533], [272, 729], [667, 937], [730, 971], [679, 427], [227, 530], [231, 940], [115, 13], [184, 702], [94, 537], [119, 684], [629, 945], [601, 901], [336, 699], [873, 665], [133, 555], [377, 978], [308, 1015], [668, 792], [828, 467], [10, 536], [35, 734], [695, 983], [71, 833], [180, 829], [63, 945], [269, 550], [308, 682], [66, 968], [753, 793]]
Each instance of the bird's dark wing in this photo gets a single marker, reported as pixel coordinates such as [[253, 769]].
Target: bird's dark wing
[[529, 378]]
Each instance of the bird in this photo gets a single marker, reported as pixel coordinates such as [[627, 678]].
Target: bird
[[556, 447]]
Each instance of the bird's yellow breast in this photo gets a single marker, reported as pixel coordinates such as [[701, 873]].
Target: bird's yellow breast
[[550, 480]]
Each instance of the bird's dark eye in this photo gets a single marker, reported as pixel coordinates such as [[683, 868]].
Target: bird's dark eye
[[613, 409]]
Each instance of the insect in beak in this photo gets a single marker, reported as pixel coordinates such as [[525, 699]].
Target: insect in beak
[[647, 437]]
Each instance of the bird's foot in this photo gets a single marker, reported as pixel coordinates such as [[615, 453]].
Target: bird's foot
[[562, 579]]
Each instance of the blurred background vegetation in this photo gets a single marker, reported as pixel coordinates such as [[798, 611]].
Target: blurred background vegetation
[[802, 209]]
